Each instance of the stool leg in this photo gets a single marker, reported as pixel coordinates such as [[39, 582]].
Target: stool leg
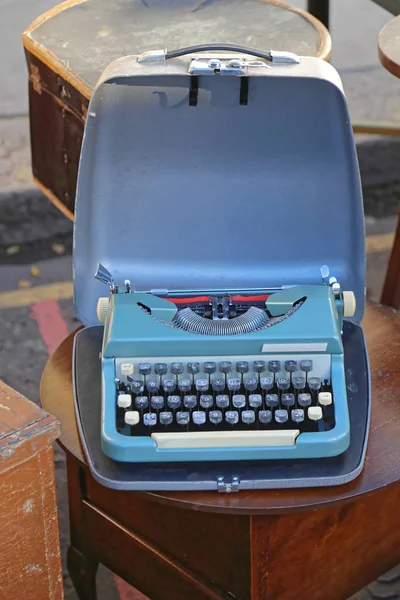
[[320, 10], [82, 570]]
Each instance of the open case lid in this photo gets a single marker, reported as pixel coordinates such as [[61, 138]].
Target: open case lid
[[196, 182]]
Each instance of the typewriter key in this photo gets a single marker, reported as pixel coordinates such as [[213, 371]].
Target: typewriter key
[[225, 366], [222, 401], [272, 400], [287, 400], [242, 366], [209, 367], [255, 400], [232, 417], [239, 401], [189, 401], [281, 416], [248, 417], [169, 385], [199, 417], [315, 413], [325, 398], [132, 417], [304, 399], [193, 367], [124, 400], [183, 418], [306, 365], [150, 419], [299, 382], [141, 402], [153, 385], [250, 383], [184, 385], [265, 416], [206, 401], [144, 368], [267, 383], [176, 368], [314, 383], [218, 384], [297, 415], [137, 387], [157, 402], [291, 366], [215, 417], [274, 366], [283, 383], [160, 368], [259, 366], [127, 369], [202, 385], [234, 384], [174, 402], [165, 418]]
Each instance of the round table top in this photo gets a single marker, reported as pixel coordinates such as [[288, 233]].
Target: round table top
[[382, 465], [79, 38], [389, 46]]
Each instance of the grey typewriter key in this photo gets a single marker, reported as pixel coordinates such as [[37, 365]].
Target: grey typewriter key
[[218, 384], [239, 401], [209, 367], [160, 368], [242, 366], [150, 419], [202, 385], [137, 387], [222, 401], [291, 366], [206, 401], [199, 417], [183, 418], [144, 368], [141, 402], [248, 417], [265, 416], [215, 417], [157, 402], [281, 416], [174, 402], [169, 385], [225, 366], [184, 385], [283, 383], [234, 384], [314, 383], [153, 385], [193, 367], [297, 415], [298, 382], [255, 400], [304, 399], [259, 366], [287, 400], [176, 368], [190, 401], [274, 366], [266, 383], [272, 400], [306, 365], [232, 417], [250, 383], [166, 418]]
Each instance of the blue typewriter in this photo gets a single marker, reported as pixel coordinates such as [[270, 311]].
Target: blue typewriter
[[219, 207]]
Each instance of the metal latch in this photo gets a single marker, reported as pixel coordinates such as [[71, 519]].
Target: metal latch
[[228, 66], [228, 487]]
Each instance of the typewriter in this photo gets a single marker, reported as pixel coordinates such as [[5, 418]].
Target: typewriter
[[219, 201]]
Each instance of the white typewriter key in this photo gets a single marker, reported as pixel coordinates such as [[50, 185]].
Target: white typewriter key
[[325, 398], [265, 416], [298, 382], [199, 417], [314, 383], [132, 417], [248, 417], [127, 369], [239, 401], [174, 402], [157, 402], [225, 366], [144, 368], [234, 384], [184, 385], [232, 417], [176, 368], [315, 413], [183, 417], [259, 366], [190, 401], [281, 416], [306, 365], [153, 385], [209, 367], [218, 384], [291, 366], [267, 383], [297, 415], [287, 400], [215, 417], [222, 401], [124, 400], [242, 366], [283, 383], [141, 402], [304, 399], [193, 367], [272, 400], [255, 400], [169, 385], [166, 418], [160, 368], [274, 366], [202, 385], [250, 383], [206, 401], [150, 419], [137, 387]]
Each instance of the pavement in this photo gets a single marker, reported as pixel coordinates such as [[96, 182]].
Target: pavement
[[36, 309]]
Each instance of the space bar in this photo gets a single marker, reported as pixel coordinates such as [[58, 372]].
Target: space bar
[[225, 439]]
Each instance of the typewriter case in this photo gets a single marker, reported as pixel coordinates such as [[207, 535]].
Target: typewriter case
[[206, 181]]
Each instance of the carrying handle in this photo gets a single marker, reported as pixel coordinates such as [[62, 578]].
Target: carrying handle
[[271, 56]]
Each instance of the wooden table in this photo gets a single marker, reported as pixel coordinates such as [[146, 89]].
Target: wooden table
[[314, 544], [68, 47]]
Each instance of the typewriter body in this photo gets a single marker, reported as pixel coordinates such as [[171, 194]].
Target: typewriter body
[[219, 203]]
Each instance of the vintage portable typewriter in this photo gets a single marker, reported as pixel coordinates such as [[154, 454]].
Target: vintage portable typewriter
[[216, 184]]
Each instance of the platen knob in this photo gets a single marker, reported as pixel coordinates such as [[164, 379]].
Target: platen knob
[[349, 304], [103, 304]]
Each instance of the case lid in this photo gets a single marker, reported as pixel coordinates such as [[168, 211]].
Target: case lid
[[221, 194]]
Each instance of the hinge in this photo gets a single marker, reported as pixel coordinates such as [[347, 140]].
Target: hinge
[[228, 487]]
